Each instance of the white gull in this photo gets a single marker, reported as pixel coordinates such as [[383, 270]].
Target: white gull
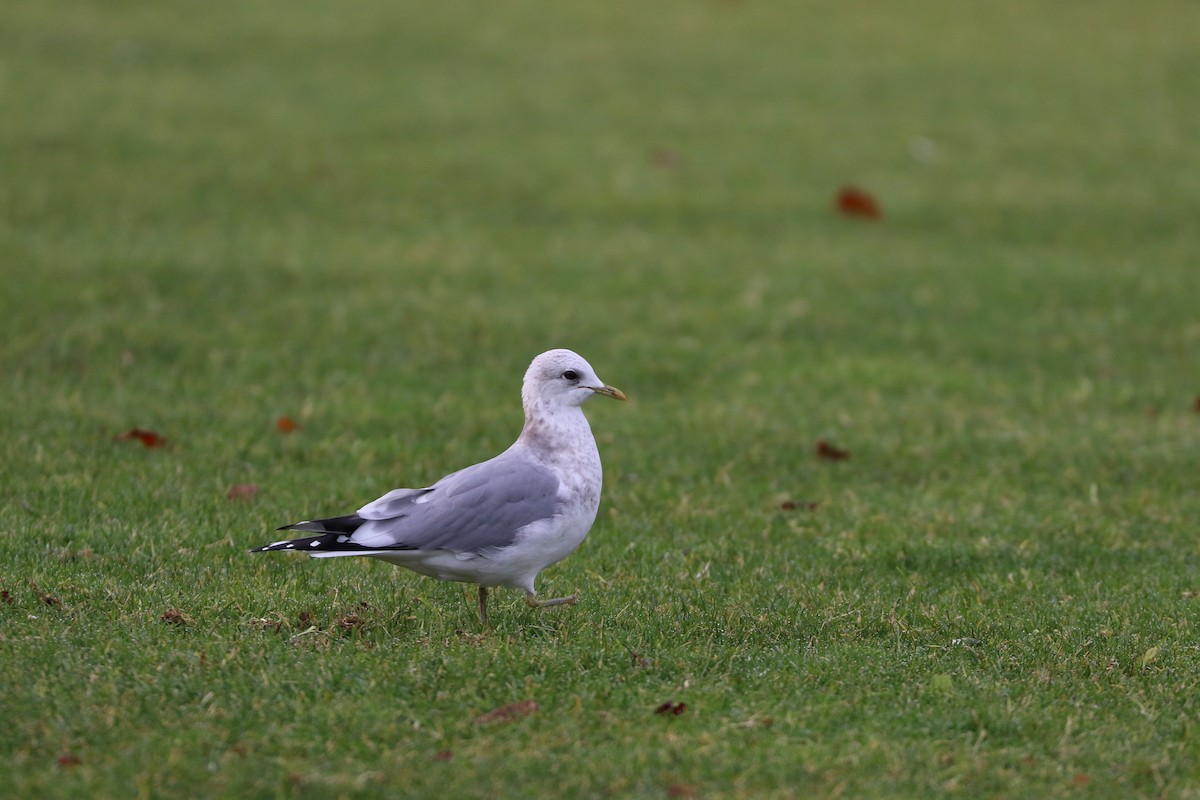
[[497, 523]]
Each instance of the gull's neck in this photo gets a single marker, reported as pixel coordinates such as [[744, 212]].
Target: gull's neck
[[559, 436], [553, 429]]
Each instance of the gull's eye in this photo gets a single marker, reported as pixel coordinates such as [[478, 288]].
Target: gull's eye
[[571, 375]]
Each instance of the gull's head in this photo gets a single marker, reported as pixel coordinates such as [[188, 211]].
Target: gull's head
[[563, 378]]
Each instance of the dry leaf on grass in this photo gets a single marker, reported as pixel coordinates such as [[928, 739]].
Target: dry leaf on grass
[[147, 438], [827, 452], [855, 202], [174, 616], [242, 491], [522, 708], [46, 597], [666, 158]]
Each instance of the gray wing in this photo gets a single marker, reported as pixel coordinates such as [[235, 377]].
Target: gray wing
[[468, 511], [394, 503]]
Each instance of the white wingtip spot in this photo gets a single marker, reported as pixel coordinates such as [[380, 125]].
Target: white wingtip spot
[[315, 543], [290, 544], [343, 539]]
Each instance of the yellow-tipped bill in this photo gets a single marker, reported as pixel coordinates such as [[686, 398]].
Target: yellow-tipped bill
[[609, 391]]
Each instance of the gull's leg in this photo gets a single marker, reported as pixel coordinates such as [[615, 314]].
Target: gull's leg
[[531, 598], [483, 606]]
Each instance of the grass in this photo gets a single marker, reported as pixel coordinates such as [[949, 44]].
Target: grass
[[369, 218]]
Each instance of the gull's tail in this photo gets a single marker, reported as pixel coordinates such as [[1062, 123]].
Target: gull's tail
[[334, 537]]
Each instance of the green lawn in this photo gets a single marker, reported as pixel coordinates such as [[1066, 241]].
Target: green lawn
[[368, 217]]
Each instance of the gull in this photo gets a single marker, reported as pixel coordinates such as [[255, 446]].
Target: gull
[[499, 522]]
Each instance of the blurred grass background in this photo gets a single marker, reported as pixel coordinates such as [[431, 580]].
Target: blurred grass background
[[370, 217]]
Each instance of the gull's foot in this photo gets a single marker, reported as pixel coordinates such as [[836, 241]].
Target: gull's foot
[[531, 598]]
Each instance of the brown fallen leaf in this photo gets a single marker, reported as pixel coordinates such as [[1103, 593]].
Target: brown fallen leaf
[[174, 616], [1188, 594], [349, 621], [242, 491], [443, 755], [640, 660], [7, 597], [827, 452], [69, 759], [803, 505], [147, 438], [1081, 780], [521, 708], [286, 424], [1196, 404], [855, 202], [674, 709], [666, 158], [681, 790], [305, 619], [264, 623], [47, 597], [757, 722]]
